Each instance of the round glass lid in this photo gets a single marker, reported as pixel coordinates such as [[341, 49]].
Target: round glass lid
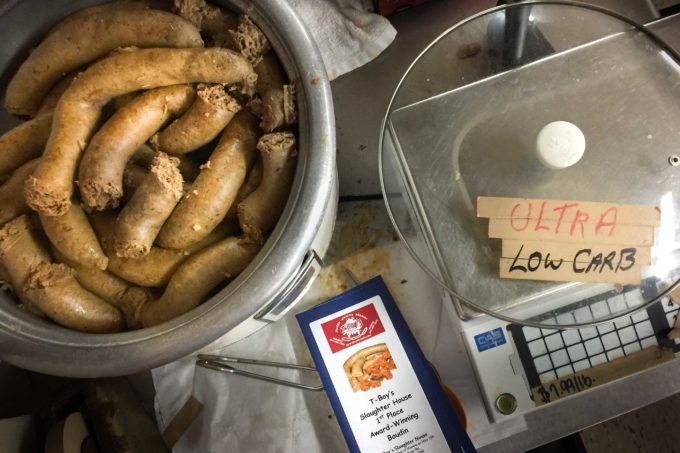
[[529, 160]]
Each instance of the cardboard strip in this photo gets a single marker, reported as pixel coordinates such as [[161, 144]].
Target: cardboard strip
[[675, 296], [532, 208], [181, 421], [630, 235], [566, 272], [569, 251], [600, 374]]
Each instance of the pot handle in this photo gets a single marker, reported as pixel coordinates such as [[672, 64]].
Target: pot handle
[[294, 291]]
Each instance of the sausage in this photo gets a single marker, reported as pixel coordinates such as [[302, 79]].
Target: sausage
[[270, 75], [114, 290], [363, 353], [53, 288], [216, 186], [250, 40], [73, 236], [154, 269], [197, 276], [141, 218], [210, 19], [87, 37], [278, 108], [20, 251], [252, 182], [101, 170], [49, 190], [4, 278], [260, 211], [132, 179], [24, 142], [277, 100], [208, 115], [145, 154], [99, 9], [357, 368], [124, 99], [354, 365], [12, 202], [52, 98]]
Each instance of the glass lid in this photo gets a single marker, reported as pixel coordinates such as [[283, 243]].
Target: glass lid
[[529, 160]]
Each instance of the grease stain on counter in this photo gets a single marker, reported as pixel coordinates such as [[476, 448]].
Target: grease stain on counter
[[361, 244]]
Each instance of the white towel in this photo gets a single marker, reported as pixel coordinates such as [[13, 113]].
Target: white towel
[[347, 33]]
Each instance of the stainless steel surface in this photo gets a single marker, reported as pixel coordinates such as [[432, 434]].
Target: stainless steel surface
[[465, 127], [361, 96], [221, 363], [29, 342]]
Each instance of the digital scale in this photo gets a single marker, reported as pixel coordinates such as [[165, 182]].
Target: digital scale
[[463, 123], [510, 360]]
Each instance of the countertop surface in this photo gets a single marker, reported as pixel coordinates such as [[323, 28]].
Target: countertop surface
[[368, 90]]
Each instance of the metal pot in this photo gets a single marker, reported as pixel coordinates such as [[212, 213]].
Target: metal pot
[[270, 285]]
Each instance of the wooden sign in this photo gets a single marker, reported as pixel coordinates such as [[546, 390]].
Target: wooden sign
[[569, 241], [607, 214], [675, 295], [577, 253]]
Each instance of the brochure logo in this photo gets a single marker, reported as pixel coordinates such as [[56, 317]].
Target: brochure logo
[[352, 328]]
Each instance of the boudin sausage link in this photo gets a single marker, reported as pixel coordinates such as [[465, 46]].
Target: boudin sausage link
[[145, 154], [140, 220], [112, 289], [203, 121], [101, 170], [24, 142], [74, 237], [259, 212], [54, 289], [215, 188], [199, 274], [20, 251], [88, 37], [12, 202]]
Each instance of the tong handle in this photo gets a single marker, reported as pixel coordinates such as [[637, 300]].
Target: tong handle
[[220, 363], [225, 359]]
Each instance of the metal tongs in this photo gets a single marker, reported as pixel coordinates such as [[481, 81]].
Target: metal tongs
[[221, 363]]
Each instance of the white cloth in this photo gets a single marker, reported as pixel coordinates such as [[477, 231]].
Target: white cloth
[[244, 414], [347, 33]]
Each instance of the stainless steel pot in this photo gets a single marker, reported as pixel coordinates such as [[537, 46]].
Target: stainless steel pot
[[270, 284]]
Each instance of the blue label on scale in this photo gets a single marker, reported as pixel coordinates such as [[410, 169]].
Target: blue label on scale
[[490, 339]]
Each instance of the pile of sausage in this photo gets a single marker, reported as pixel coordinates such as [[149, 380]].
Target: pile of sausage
[[151, 166]]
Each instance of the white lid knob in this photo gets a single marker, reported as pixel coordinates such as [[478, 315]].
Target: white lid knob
[[560, 144]]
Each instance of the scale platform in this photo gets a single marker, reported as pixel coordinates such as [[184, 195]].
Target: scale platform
[[463, 123]]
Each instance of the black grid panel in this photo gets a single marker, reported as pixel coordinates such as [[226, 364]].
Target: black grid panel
[[547, 354]]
